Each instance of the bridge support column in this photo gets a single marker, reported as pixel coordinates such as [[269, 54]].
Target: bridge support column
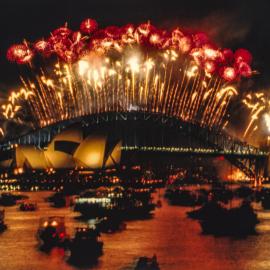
[[260, 171], [257, 182]]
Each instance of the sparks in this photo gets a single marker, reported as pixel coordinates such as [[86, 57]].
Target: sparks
[[259, 106], [117, 68]]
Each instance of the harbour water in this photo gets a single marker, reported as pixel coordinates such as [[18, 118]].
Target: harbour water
[[176, 240]]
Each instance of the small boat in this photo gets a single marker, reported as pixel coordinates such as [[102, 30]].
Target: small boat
[[28, 206], [184, 197], [85, 247], [145, 263], [159, 204], [238, 221], [52, 232], [3, 226], [8, 199], [211, 208], [57, 200], [221, 194], [244, 192], [96, 203], [265, 199], [110, 224], [115, 201]]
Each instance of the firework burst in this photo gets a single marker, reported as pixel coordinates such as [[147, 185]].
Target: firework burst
[[259, 106], [177, 73]]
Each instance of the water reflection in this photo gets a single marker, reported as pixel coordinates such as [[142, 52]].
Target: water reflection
[[175, 239]]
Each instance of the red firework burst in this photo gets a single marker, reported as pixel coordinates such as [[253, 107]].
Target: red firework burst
[[71, 46], [20, 53], [88, 26]]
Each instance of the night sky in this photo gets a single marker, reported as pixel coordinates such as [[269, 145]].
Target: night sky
[[230, 23]]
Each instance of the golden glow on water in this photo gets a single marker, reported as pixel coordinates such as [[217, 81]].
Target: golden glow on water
[[175, 239]]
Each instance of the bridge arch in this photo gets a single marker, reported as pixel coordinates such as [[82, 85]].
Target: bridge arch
[[144, 133]]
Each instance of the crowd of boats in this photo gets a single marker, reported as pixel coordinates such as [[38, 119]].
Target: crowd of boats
[[221, 209], [84, 248], [108, 208], [104, 210], [86, 245]]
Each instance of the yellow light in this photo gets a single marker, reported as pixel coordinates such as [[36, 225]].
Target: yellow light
[[83, 67], [267, 121], [54, 223], [149, 64], [45, 224], [192, 71], [134, 63]]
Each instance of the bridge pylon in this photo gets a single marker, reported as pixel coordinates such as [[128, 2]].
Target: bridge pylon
[[260, 171]]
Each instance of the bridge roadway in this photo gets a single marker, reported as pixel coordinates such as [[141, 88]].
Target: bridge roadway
[[196, 151]]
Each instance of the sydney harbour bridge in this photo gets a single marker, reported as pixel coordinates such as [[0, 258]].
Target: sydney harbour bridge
[[146, 136]]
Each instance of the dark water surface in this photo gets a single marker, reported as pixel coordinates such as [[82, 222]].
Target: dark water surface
[[175, 239]]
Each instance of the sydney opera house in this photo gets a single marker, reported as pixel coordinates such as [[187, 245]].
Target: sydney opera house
[[68, 150]]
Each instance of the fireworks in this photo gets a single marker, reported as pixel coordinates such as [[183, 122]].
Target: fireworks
[[88, 26], [259, 106], [126, 68], [20, 53]]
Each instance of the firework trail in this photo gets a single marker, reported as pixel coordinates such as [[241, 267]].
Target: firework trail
[[116, 69], [259, 106]]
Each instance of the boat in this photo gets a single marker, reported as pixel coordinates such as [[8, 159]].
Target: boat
[[211, 208], [110, 224], [221, 193], [52, 232], [96, 203], [183, 197], [136, 203], [58, 199], [159, 204], [28, 206], [115, 201], [85, 247], [3, 226], [9, 199], [145, 263], [244, 192], [265, 199], [237, 221], [266, 202]]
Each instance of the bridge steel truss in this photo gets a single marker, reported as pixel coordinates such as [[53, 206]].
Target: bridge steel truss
[[152, 132]]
